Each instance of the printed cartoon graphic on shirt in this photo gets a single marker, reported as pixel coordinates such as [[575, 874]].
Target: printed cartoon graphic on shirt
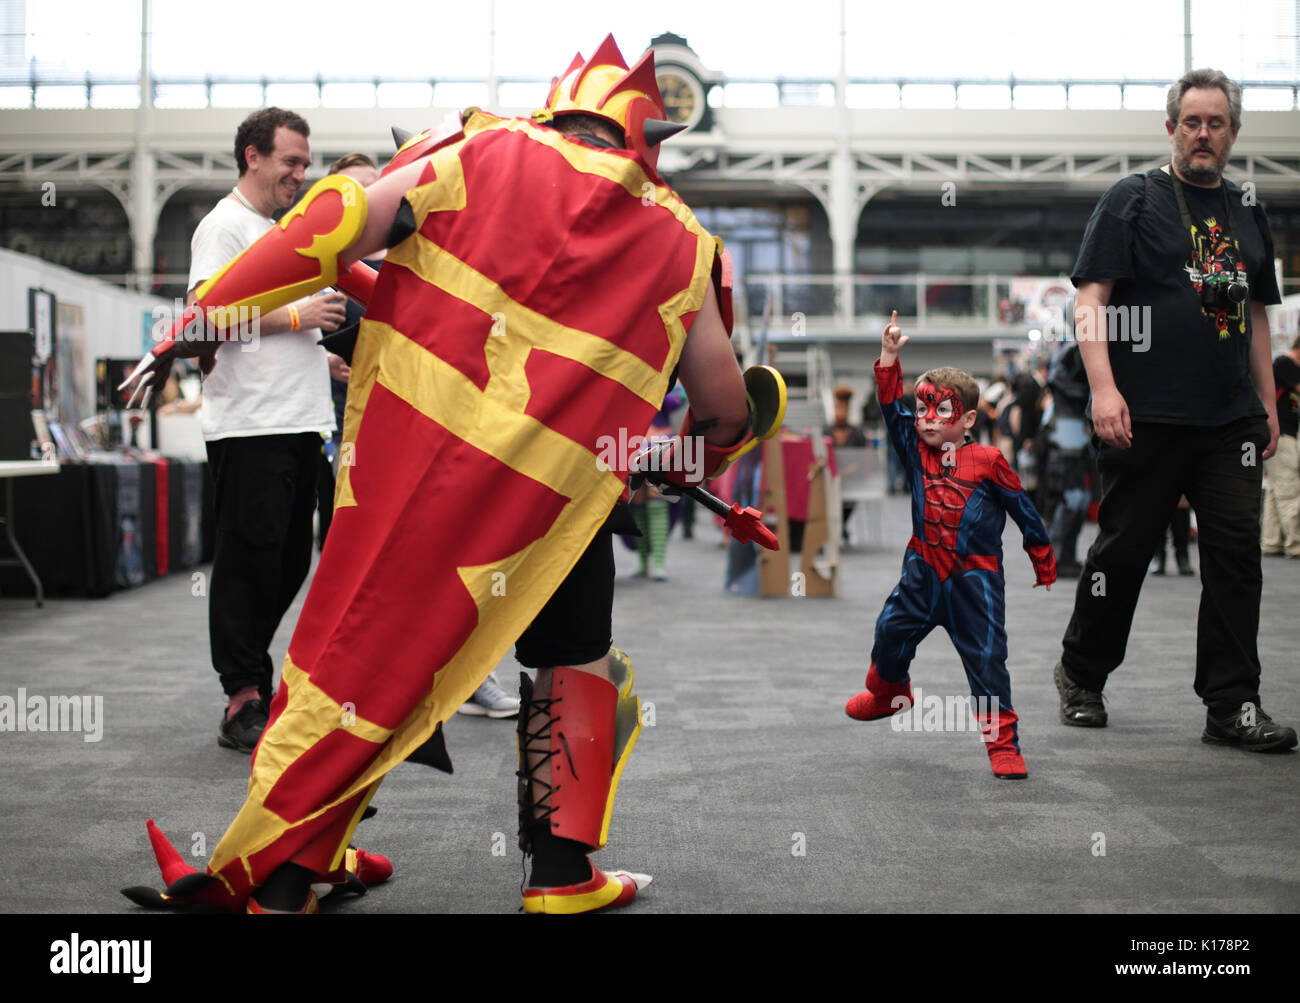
[[1218, 262]]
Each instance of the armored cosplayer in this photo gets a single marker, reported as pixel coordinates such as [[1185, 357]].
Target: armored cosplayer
[[543, 286]]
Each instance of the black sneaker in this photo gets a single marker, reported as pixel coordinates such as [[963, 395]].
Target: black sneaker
[[242, 731], [1079, 707], [1250, 728]]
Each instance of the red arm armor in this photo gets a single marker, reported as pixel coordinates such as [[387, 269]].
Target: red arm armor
[[295, 258]]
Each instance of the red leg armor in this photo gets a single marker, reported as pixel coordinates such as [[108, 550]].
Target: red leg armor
[[585, 730]]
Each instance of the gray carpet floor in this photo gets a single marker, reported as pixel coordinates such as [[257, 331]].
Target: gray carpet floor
[[751, 792]]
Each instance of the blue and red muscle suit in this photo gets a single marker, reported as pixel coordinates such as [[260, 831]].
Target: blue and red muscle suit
[[952, 570]]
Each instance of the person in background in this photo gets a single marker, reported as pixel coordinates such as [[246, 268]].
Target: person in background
[[845, 436], [650, 508], [1025, 416], [840, 431], [1280, 534], [1064, 437], [1180, 528], [263, 416]]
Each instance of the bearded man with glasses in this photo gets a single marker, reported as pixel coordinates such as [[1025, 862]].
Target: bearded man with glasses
[[1185, 408]]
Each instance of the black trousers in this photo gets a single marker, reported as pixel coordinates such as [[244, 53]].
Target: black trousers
[[1220, 470], [324, 497], [264, 491], [577, 623]]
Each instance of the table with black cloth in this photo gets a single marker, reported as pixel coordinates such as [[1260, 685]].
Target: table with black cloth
[[112, 524]]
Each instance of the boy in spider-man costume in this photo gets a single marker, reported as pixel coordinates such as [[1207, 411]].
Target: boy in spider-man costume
[[952, 571]]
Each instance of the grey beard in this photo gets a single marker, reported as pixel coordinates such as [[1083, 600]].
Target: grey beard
[[1200, 175]]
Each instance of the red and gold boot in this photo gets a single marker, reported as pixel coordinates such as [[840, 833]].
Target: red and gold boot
[[604, 890], [880, 698], [585, 731]]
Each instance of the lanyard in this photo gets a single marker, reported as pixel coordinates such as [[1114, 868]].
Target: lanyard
[[1187, 217]]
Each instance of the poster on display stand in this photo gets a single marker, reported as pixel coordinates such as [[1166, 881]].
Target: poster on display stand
[[41, 308], [75, 395]]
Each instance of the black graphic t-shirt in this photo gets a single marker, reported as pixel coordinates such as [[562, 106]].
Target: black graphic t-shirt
[[1176, 361], [1286, 375]]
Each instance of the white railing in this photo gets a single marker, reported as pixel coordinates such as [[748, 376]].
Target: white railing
[[966, 301], [32, 87], [969, 301]]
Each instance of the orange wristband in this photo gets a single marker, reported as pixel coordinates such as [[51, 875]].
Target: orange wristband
[[295, 319]]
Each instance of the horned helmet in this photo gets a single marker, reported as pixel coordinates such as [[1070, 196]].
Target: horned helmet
[[603, 86]]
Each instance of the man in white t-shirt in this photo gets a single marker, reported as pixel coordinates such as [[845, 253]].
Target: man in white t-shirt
[[265, 405]]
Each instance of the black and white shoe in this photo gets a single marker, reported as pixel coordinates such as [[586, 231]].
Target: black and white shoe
[[1249, 728], [1079, 707]]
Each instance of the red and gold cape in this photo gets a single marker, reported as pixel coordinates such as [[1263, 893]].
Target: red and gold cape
[[541, 304]]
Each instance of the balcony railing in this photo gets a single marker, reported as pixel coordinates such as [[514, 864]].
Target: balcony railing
[[33, 87], [791, 304], [809, 303]]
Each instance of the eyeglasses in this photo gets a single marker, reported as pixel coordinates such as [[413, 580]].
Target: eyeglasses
[[1193, 126]]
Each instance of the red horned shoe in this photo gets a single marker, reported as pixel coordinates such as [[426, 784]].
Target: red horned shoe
[[187, 888], [194, 890]]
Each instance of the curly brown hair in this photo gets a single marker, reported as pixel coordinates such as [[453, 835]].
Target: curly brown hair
[[258, 131]]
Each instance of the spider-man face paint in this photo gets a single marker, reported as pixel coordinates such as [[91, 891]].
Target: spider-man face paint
[[939, 405], [940, 418]]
